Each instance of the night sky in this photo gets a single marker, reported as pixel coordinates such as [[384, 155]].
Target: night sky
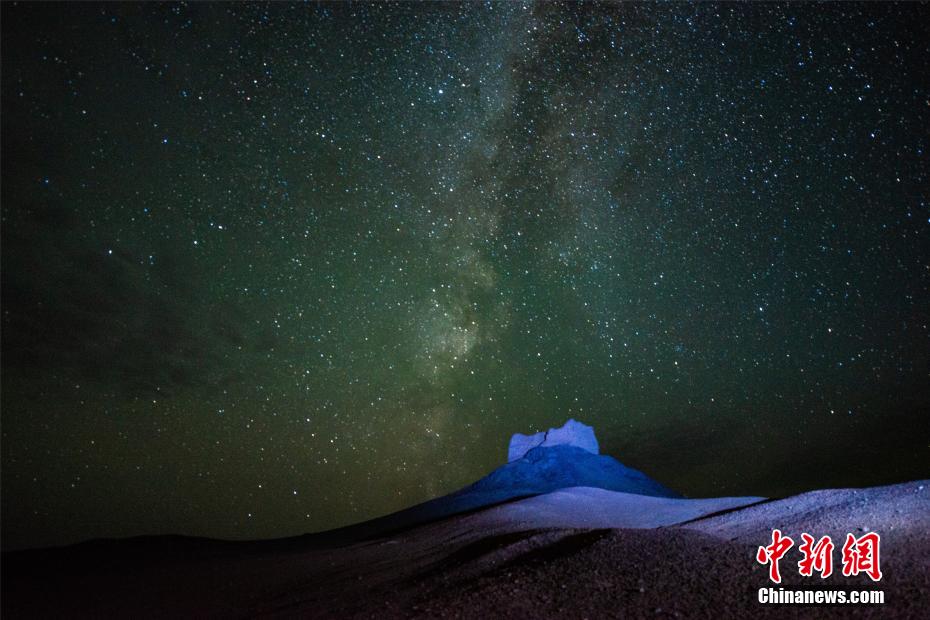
[[275, 269]]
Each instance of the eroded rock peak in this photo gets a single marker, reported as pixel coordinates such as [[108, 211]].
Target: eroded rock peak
[[572, 433]]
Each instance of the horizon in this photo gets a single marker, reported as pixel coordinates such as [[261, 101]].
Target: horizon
[[269, 270]]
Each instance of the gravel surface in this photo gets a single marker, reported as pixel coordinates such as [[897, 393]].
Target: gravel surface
[[499, 563]]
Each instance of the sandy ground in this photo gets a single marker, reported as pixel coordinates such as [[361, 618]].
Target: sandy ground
[[585, 507], [578, 553]]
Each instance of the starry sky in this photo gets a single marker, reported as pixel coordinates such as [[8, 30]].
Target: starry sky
[[271, 269]]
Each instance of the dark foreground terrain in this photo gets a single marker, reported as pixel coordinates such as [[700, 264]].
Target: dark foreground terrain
[[578, 552]]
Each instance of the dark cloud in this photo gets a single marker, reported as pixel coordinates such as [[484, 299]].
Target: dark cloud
[[74, 308]]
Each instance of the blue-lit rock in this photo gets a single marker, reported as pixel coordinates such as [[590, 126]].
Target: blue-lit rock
[[572, 433]]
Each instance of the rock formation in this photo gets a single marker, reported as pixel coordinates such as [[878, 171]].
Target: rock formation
[[572, 433]]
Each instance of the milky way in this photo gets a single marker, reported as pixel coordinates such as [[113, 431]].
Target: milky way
[[270, 269]]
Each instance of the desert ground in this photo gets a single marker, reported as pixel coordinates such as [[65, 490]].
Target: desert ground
[[577, 552]]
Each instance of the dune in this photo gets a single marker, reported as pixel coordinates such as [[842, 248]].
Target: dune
[[588, 507], [575, 551]]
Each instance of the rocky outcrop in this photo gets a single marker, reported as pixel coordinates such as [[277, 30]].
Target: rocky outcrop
[[572, 433]]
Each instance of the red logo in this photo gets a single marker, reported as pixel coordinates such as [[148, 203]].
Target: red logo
[[773, 553], [860, 555], [817, 557]]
